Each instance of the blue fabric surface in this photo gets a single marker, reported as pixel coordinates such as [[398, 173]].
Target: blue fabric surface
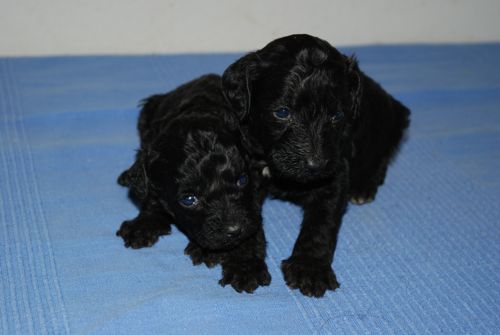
[[424, 258]]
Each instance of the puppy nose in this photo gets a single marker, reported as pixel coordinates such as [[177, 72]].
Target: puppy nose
[[233, 230], [314, 164]]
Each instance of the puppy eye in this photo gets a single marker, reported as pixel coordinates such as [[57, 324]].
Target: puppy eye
[[336, 117], [282, 113], [242, 180], [189, 201]]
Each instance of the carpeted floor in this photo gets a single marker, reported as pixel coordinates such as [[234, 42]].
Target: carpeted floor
[[424, 258]]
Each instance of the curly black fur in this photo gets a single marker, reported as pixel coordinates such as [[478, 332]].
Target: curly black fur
[[326, 132], [188, 147]]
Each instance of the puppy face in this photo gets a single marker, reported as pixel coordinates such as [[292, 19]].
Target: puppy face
[[296, 97], [208, 190]]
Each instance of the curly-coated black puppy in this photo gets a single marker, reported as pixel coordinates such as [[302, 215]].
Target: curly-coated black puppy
[[326, 133], [191, 171]]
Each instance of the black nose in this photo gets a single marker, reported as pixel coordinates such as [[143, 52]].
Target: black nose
[[314, 164], [233, 230]]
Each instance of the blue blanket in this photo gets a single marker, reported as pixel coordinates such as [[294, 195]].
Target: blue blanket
[[424, 258]]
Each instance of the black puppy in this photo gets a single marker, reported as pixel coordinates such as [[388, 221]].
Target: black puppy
[[191, 171], [326, 133]]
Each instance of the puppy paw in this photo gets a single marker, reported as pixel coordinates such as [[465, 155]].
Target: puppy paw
[[199, 255], [137, 235], [310, 276], [245, 276], [360, 200], [365, 196]]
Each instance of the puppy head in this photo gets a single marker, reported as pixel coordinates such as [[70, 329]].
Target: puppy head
[[295, 99], [201, 179]]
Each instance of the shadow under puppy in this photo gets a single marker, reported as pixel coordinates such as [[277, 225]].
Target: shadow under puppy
[[326, 133], [191, 171]]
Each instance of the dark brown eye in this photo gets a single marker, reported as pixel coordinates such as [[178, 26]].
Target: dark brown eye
[[242, 180], [337, 116], [282, 113], [189, 201]]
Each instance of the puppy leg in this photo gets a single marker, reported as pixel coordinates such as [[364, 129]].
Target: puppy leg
[[244, 268], [366, 180], [199, 255], [376, 143], [309, 267], [147, 227]]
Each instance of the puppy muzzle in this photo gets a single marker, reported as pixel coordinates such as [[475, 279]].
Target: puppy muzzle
[[226, 232]]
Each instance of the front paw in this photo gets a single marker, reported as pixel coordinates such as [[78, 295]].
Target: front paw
[[136, 235], [310, 276], [245, 276], [199, 255]]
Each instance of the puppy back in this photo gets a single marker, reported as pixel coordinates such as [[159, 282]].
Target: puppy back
[[196, 105]]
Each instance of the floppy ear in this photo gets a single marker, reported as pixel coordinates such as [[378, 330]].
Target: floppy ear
[[237, 83], [355, 85], [138, 176]]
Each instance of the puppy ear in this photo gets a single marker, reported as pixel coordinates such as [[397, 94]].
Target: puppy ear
[[148, 106], [237, 83], [354, 84], [137, 177]]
